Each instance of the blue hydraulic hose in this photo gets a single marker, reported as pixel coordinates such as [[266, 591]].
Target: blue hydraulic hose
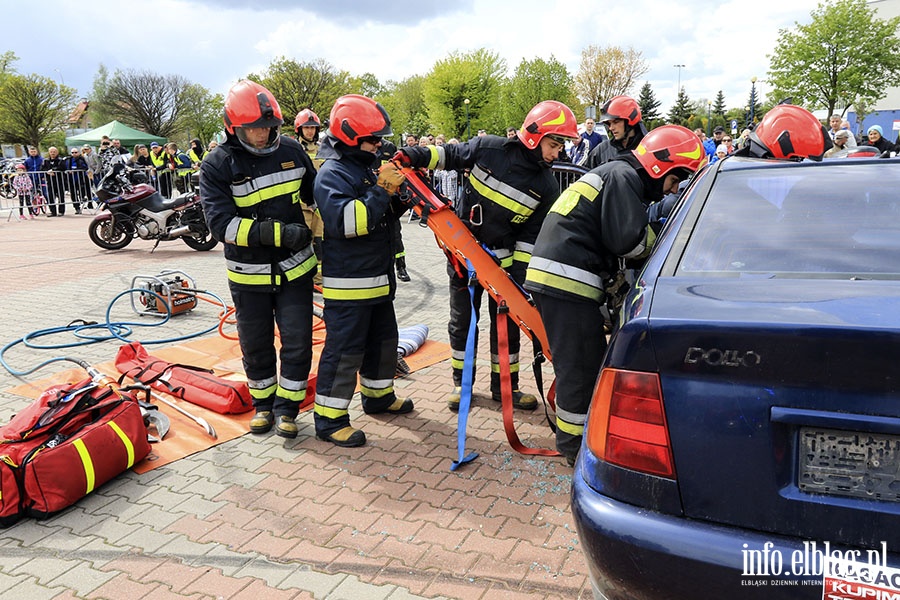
[[118, 330]]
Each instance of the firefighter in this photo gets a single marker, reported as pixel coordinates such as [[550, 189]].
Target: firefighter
[[788, 132], [251, 188], [622, 117], [307, 127], [358, 283], [602, 216], [507, 194]]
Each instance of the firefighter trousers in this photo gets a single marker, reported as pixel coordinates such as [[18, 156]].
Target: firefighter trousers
[[577, 343], [257, 313], [358, 339], [460, 317]]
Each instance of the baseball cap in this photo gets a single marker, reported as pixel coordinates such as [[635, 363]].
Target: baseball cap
[[719, 129], [154, 145]]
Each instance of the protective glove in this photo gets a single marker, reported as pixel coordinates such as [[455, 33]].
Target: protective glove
[[402, 158], [295, 237], [390, 178], [266, 230]]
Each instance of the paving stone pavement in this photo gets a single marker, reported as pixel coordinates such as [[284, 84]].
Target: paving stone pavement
[[263, 517]]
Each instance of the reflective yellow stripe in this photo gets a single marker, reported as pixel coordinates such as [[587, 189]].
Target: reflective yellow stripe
[[243, 232], [360, 218], [375, 393], [302, 269], [521, 256], [265, 392], [565, 284], [513, 367], [507, 203], [292, 395], [355, 294], [569, 427], [329, 413], [587, 187], [457, 364], [129, 447], [255, 197], [251, 279], [435, 157], [87, 463], [276, 230]]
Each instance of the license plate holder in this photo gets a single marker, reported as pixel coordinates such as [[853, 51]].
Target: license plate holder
[[850, 464]]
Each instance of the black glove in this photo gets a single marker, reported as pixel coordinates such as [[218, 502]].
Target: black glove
[[401, 158], [413, 157], [266, 231], [295, 236]]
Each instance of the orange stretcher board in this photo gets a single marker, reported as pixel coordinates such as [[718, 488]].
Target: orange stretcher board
[[459, 242]]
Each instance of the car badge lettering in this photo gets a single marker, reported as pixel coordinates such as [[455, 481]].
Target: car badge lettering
[[715, 357]]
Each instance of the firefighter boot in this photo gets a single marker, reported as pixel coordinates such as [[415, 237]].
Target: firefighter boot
[[400, 263], [262, 421], [399, 406], [348, 437], [521, 400], [286, 427], [453, 399]]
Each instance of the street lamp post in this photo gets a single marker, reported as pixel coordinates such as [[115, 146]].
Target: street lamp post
[[679, 67], [708, 116], [466, 102], [752, 98]]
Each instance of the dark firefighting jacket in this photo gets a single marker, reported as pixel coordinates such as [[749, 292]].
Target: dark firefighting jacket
[[357, 257], [507, 193], [240, 190], [597, 219]]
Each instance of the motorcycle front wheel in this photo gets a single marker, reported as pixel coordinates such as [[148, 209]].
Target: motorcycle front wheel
[[109, 234], [202, 242]]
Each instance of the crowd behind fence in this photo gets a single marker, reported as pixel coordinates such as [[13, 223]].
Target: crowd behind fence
[[75, 187]]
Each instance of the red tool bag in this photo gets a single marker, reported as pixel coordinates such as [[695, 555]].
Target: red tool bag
[[64, 445], [196, 385]]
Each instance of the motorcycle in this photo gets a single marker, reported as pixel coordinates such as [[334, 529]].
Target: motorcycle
[[132, 208]]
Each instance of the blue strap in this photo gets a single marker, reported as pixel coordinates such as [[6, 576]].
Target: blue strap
[[465, 394]]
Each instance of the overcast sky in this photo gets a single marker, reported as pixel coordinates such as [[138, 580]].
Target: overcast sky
[[217, 42]]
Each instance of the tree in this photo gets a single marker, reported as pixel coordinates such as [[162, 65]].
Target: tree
[[835, 60], [649, 106], [535, 81], [368, 85], [681, 111], [153, 103], [607, 72], [718, 107], [203, 113], [405, 105], [32, 107], [7, 60], [299, 85], [477, 76], [99, 111]]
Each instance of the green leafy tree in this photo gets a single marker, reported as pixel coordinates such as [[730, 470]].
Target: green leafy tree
[[405, 105], [681, 111], [368, 85], [649, 106], [476, 76], [32, 107], [148, 101], [203, 114], [535, 81], [299, 85], [718, 107], [844, 56], [99, 111], [608, 71]]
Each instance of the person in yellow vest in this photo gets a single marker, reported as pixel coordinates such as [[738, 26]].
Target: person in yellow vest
[[307, 126], [196, 153], [158, 158]]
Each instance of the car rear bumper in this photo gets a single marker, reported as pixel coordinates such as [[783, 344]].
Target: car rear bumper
[[643, 555]]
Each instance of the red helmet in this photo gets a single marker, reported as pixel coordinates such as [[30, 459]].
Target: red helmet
[[251, 105], [670, 147], [548, 118], [354, 117], [789, 131], [621, 107], [307, 118]]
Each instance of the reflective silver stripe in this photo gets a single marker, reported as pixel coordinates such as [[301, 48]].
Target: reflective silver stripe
[[248, 268], [261, 384], [513, 358], [332, 402], [232, 230], [376, 384], [296, 259], [355, 283], [291, 384], [458, 354], [523, 247], [350, 219], [503, 188], [639, 249], [245, 189], [567, 271], [502, 253], [570, 417], [442, 157]]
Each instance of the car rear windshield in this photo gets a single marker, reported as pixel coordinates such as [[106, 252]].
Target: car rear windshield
[[835, 219]]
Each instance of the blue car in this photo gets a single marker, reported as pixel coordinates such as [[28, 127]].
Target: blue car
[[744, 436]]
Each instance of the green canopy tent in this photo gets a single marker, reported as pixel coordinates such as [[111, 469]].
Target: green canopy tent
[[115, 131]]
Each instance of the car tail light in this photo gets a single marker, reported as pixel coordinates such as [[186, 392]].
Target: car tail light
[[627, 423]]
